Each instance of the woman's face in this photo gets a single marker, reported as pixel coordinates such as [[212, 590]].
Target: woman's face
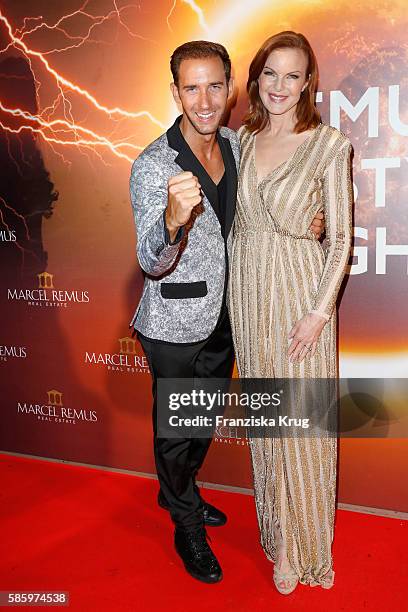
[[282, 80]]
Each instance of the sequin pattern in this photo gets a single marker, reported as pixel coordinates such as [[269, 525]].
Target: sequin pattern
[[200, 258], [280, 272]]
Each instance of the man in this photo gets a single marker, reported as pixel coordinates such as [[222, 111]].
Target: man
[[183, 189]]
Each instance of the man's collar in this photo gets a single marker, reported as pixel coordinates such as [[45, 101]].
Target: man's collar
[[176, 139], [188, 161]]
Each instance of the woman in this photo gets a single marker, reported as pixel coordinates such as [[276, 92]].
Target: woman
[[283, 291]]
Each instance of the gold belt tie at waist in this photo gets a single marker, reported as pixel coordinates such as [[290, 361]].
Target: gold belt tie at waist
[[280, 232]]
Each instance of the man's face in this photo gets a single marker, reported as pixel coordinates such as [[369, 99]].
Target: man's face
[[203, 92]]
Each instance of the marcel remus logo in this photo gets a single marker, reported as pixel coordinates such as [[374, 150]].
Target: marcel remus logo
[[55, 411], [47, 295]]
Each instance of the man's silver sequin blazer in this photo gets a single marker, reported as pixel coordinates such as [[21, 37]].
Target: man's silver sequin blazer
[[184, 281]]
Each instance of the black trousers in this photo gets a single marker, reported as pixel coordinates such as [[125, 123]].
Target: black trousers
[[178, 460]]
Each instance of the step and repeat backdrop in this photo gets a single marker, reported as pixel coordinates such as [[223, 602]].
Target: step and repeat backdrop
[[84, 87]]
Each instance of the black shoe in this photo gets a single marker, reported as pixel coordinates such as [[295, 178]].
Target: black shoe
[[198, 558], [211, 515]]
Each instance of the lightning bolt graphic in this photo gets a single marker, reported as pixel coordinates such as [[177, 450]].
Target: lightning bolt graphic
[[18, 43], [22, 249], [197, 10], [57, 122], [95, 139], [97, 20]]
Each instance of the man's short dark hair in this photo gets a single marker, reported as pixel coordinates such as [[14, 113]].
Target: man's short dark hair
[[198, 49]]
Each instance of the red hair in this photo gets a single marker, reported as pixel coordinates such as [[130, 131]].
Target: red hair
[[306, 112]]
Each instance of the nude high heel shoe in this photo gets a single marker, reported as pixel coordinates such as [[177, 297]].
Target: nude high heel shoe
[[284, 577], [285, 582]]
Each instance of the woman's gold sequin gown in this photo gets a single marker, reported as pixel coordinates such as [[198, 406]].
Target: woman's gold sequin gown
[[280, 272]]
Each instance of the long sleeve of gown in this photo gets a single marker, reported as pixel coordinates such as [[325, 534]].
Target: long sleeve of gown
[[337, 196]]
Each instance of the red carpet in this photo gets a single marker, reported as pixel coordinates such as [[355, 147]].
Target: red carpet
[[101, 536]]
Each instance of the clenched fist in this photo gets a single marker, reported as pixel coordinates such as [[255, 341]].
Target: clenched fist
[[183, 194]]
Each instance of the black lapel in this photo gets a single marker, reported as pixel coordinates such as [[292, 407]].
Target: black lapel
[[188, 161], [232, 181]]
